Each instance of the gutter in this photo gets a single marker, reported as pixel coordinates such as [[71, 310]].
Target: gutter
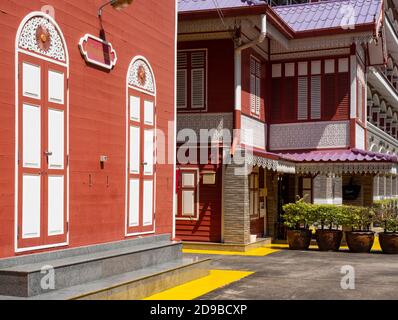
[[238, 80]]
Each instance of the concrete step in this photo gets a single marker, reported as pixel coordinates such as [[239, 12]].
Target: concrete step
[[134, 285], [22, 276]]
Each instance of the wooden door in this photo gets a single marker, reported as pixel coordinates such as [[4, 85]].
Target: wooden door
[[42, 153], [141, 168]]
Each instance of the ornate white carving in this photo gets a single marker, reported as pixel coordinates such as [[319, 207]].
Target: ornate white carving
[[360, 137], [147, 84], [315, 135], [254, 132], [28, 41], [207, 121], [274, 165], [347, 168]]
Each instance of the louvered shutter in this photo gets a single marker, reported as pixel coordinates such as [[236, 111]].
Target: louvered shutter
[[316, 97], [198, 63], [255, 86], [182, 80], [329, 93], [302, 113], [258, 95], [343, 97], [360, 109], [253, 93]]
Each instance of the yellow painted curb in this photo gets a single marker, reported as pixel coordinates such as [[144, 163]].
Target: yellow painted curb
[[259, 252], [376, 246], [197, 288]]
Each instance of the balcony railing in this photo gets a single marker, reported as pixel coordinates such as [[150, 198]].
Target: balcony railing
[[382, 136]]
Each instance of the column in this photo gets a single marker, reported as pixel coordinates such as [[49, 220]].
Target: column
[[236, 205]]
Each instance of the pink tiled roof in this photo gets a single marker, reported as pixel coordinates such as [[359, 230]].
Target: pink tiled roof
[[301, 17], [352, 155], [329, 14], [199, 5]]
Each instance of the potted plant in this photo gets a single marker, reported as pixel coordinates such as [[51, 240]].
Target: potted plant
[[387, 217], [360, 219], [298, 218], [329, 219]]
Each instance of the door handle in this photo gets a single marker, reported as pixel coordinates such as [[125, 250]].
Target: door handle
[[145, 163], [48, 153]]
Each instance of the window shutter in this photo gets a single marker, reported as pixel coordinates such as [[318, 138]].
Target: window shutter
[[302, 98], [198, 92], [329, 93], [316, 97], [182, 88], [252, 93], [343, 97], [258, 95], [360, 100], [255, 86], [182, 79], [198, 79]]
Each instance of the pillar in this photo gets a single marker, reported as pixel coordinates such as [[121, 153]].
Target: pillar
[[236, 205]]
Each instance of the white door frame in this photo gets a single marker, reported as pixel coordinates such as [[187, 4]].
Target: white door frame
[[66, 65]]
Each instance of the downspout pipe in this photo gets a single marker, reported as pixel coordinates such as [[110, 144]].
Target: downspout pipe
[[238, 79]]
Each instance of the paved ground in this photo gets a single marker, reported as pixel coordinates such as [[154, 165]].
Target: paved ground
[[308, 276]]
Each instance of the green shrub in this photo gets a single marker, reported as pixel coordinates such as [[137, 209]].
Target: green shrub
[[387, 214], [299, 215], [330, 217], [359, 218]]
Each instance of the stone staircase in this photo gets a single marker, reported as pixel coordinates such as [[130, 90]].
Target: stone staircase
[[131, 269]]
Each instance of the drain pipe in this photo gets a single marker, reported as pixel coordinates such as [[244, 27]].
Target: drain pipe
[[238, 80]]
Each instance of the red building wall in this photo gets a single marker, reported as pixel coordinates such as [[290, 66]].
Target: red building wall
[[208, 226], [97, 113], [220, 65]]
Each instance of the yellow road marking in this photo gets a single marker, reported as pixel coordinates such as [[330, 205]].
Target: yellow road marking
[[259, 252], [197, 288], [376, 246]]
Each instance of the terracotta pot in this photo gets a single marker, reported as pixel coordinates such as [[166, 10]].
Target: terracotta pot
[[299, 239], [329, 240], [360, 241], [389, 242]]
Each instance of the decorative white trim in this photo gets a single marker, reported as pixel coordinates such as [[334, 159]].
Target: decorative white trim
[[270, 164], [347, 168], [27, 37], [254, 132], [95, 62], [310, 135], [149, 86]]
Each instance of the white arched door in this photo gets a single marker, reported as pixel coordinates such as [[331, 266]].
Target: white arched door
[[42, 132], [141, 148]]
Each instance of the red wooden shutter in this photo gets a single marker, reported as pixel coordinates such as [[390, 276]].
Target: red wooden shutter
[[198, 71], [302, 96], [182, 79], [276, 109], [343, 97], [329, 94]]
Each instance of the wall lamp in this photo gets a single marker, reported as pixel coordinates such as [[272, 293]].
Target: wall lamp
[[116, 4]]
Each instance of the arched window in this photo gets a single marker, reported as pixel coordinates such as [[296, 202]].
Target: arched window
[[141, 148], [42, 71]]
